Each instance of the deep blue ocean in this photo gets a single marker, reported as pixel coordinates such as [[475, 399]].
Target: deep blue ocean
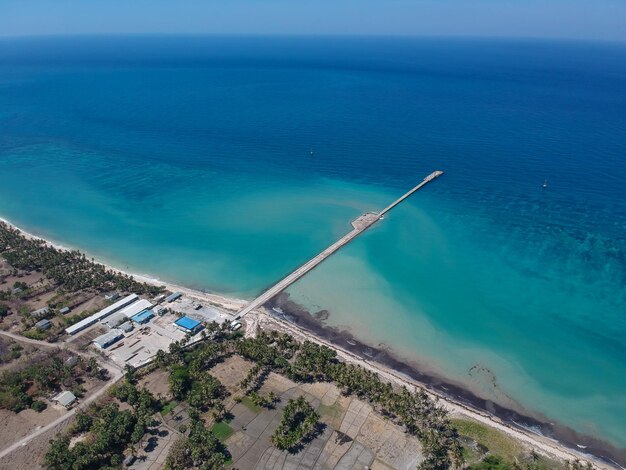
[[189, 159]]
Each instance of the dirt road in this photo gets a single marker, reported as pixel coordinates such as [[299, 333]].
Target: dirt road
[[114, 371]]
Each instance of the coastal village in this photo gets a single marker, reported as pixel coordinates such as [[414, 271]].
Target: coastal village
[[291, 235], [100, 370]]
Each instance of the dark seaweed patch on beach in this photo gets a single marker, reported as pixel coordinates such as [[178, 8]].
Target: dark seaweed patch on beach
[[284, 308]]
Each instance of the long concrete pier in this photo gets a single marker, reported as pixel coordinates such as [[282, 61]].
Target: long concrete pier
[[360, 225]]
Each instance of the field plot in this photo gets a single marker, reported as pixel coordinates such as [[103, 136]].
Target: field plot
[[354, 436], [154, 449], [31, 455], [14, 426]]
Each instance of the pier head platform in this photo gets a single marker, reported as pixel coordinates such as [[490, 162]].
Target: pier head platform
[[359, 225]]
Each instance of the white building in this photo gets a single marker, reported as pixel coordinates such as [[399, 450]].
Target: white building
[[136, 308], [87, 322], [65, 398], [107, 339]]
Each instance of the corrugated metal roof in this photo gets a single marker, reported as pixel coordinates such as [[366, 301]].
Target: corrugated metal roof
[[134, 309], [81, 325], [40, 312], [187, 323], [126, 327], [106, 339], [173, 297], [65, 398], [43, 324], [142, 316], [114, 319]]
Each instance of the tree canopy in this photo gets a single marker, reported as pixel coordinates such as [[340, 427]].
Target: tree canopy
[[201, 449], [299, 421], [71, 270]]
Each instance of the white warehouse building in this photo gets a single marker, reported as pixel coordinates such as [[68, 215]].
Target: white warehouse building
[[87, 322], [135, 308]]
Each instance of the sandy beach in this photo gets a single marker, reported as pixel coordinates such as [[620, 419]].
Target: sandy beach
[[283, 315], [530, 428]]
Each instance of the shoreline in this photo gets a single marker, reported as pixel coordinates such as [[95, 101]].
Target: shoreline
[[554, 440], [228, 303], [456, 397]]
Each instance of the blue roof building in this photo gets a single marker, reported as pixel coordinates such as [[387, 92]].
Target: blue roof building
[[143, 317], [188, 325]]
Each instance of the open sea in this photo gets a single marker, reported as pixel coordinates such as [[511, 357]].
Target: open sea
[[189, 159]]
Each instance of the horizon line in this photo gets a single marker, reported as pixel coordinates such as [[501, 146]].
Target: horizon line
[[316, 35]]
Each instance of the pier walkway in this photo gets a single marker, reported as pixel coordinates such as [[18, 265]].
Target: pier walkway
[[360, 225]]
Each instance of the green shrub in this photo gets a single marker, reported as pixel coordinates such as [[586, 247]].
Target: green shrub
[[39, 335], [38, 406], [491, 462], [4, 310], [16, 351], [167, 407]]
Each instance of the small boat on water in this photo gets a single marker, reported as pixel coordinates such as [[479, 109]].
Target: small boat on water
[[545, 183], [311, 152]]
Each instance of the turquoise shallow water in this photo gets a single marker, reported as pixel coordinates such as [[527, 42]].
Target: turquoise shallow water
[[189, 159]]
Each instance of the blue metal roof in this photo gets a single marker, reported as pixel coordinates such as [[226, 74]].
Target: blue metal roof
[[187, 323], [142, 316]]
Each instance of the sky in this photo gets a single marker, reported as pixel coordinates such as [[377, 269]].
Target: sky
[[571, 19]]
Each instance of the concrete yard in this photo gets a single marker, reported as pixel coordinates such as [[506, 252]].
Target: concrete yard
[[140, 345], [198, 310], [144, 341]]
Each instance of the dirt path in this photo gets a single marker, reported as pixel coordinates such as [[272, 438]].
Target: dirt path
[[115, 376], [35, 342], [115, 373]]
